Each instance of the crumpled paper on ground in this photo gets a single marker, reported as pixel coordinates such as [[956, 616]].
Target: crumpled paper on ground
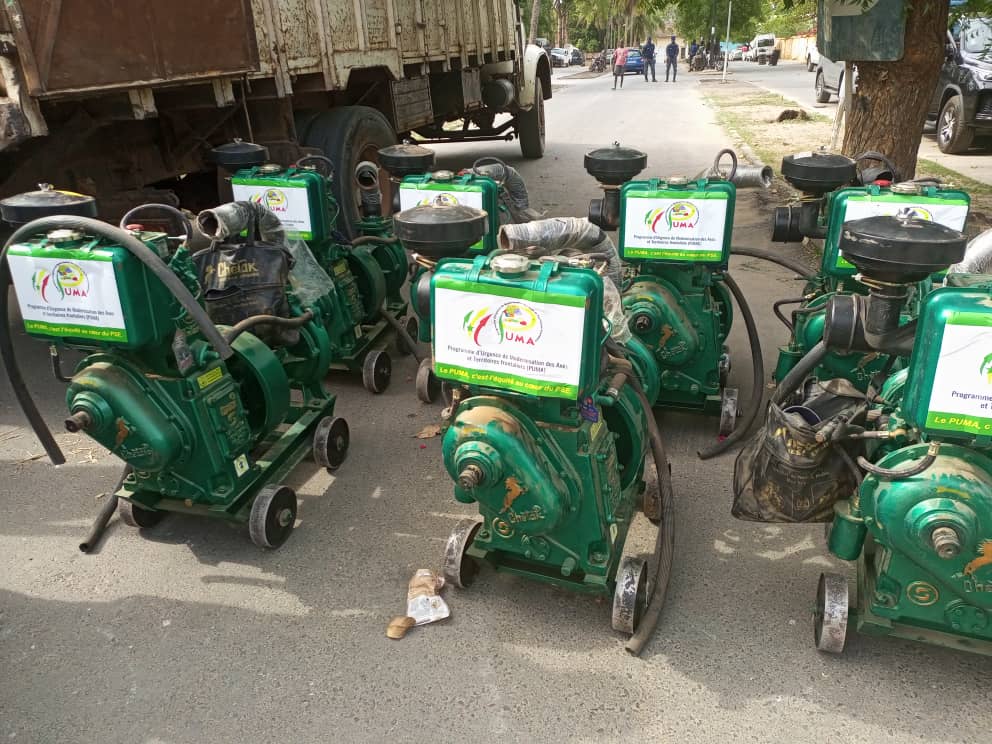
[[423, 604]]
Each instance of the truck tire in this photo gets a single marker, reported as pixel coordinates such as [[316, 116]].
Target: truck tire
[[348, 135], [530, 125], [954, 136]]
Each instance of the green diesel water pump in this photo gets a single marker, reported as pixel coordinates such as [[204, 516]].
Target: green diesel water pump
[[836, 192], [919, 523], [675, 234], [367, 272], [549, 426], [209, 419], [489, 185]]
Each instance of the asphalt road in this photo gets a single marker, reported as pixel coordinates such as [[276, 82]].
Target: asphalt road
[[792, 80], [189, 634]]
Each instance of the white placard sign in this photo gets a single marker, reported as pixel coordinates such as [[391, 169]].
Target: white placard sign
[[68, 297], [510, 342], [291, 204], [668, 226]]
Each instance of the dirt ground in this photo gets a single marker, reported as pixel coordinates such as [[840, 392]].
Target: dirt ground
[[752, 115]]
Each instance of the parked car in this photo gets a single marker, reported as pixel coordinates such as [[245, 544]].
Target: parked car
[[812, 57], [762, 46], [578, 57], [961, 106], [829, 79], [738, 53], [635, 63], [559, 57]]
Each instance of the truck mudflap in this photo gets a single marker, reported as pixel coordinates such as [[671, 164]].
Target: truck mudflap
[[20, 117], [536, 65]]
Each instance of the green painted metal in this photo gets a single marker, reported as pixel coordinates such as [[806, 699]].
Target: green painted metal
[[926, 573], [837, 276], [861, 32], [949, 389], [478, 295], [469, 189], [678, 238], [91, 268], [368, 277], [683, 223], [683, 314], [202, 435], [555, 464], [946, 206]]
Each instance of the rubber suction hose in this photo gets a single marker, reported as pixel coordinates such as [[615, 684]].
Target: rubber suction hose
[[757, 373], [134, 246]]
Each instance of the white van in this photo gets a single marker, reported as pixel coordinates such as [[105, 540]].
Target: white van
[[761, 46]]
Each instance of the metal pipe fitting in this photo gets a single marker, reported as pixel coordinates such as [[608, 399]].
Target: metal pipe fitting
[[946, 542], [79, 421], [471, 477]]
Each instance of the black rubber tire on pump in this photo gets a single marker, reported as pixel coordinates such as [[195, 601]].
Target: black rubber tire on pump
[[135, 516], [428, 385], [347, 135], [377, 370], [330, 442], [272, 516], [531, 126]]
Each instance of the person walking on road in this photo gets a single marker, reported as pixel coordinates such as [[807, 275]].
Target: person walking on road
[[647, 52], [619, 62], [672, 60]]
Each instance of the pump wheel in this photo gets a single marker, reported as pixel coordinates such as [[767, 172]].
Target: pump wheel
[[136, 516], [728, 411], [460, 569], [428, 385], [273, 516], [412, 328], [630, 596], [330, 442], [377, 369], [830, 615]]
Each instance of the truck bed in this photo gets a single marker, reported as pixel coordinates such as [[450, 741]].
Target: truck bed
[[79, 47]]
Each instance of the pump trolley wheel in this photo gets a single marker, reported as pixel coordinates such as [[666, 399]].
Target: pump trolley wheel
[[460, 569], [830, 615], [728, 411], [412, 328], [376, 371], [135, 516], [428, 385], [630, 596], [273, 516], [330, 442]]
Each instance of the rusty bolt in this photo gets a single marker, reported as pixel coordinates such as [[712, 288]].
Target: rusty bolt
[[471, 477], [946, 542]]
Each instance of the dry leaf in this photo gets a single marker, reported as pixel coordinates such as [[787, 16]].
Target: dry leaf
[[398, 627], [429, 431]]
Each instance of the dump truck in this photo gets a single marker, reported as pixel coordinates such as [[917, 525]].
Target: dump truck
[[124, 99]]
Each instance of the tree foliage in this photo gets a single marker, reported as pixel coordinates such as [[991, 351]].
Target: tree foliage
[[697, 17]]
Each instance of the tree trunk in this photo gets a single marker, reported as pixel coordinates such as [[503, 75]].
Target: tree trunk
[[535, 17], [889, 110]]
